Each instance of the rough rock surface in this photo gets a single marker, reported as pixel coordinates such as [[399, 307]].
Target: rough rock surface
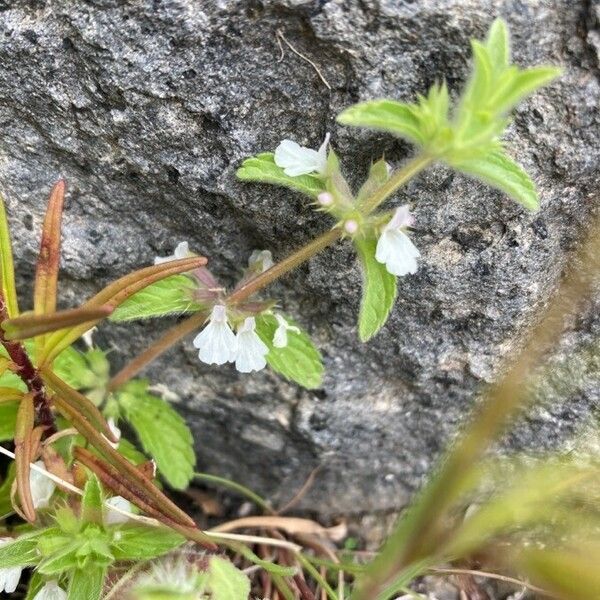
[[147, 107]]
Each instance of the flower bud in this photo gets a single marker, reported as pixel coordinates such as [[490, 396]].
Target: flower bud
[[351, 226], [325, 199]]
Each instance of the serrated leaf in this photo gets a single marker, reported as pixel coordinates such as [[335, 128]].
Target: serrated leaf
[[86, 584], [379, 291], [8, 420], [387, 115], [501, 172], [299, 361], [262, 168], [226, 582], [170, 296], [163, 433], [136, 542]]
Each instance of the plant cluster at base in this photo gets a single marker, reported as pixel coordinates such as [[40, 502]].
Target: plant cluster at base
[[90, 500]]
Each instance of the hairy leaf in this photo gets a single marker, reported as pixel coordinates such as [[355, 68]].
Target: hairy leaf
[[501, 172], [21, 552], [162, 432], [262, 168], [299, 361], [87, 584], [138, 542], [171, 296], [91, 503], [379, 291], [225, 581]]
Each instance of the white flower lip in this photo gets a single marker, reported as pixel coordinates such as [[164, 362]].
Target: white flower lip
[[394, 248], [51, 591], [298, 160], [115, 431], [41, 486], [216, 343], [112, 517], [251, 350], [9, 576], [181, 251]]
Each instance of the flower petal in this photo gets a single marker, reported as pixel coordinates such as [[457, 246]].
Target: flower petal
[[397, 252], [251, 350], [295, 159], [51, 591], [216, 342], [41, 486], [113, 517]]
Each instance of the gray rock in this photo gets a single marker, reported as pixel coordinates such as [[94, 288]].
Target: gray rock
[[148, 107]]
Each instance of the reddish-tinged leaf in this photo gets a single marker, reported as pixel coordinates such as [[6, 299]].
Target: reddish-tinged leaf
[[116, 293], [46, 276], [23, 441], [78, 402], [30, 325]]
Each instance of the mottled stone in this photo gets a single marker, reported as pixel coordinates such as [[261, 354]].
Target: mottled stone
[[148, 107]]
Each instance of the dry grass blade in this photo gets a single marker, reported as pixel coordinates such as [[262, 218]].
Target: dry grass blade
[[46, 275], [116, 293], [29, 326], [78, 401], [7, 269], [291, 525], [23, 445]]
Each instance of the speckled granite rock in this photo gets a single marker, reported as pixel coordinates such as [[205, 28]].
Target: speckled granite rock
[[148, 107]]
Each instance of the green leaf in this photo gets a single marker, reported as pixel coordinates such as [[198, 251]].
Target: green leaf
[[299, 361], [91, 504], [162, 432], [498, 45], [501, 172], [226, 582], [170, 296], [136, 542], [379, 291], [86, 584], [5, 502], [262, 168], [20, 553], [8, 420], [387, 115], [378, 175]]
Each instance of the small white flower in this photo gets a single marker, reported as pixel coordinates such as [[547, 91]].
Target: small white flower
[[9, 576], [113, 517], [115, 431], [280, 338], [181, 251], [251, 350], [51, 591], [216, 342], [42, 487], [298, 160], [262, 259], [88, 335], [394, 248]]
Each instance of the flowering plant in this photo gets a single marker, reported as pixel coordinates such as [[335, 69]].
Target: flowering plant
[[77, 484]]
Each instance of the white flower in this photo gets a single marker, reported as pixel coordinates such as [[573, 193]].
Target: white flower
[[251, 350], [113, 517], [9, 576], [181, 251], [42, 487], [87, 337], [115, 431], [51, 591], [394, 248], [298, 160], [261, 259], [216, 342], [280, 338]]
